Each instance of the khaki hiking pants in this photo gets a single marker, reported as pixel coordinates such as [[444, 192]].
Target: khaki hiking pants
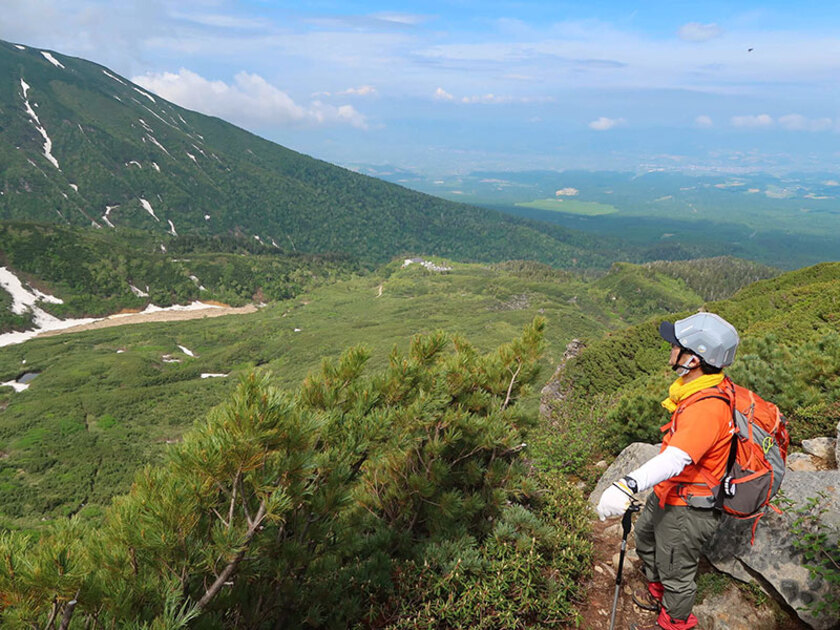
[[669, 540]]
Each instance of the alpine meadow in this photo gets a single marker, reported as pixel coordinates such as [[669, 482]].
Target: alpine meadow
[[246, 388]]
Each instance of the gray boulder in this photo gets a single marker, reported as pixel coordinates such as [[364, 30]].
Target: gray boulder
[[773, 558], [822, 447], [837, 446], [630, 458], [730, 611]]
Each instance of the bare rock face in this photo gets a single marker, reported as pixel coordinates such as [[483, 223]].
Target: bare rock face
[[628, 460], [837, 445], [802, 462], [822, 447], [773, 558], [730, 611], [552, 394]]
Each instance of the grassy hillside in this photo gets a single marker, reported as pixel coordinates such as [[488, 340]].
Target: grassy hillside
[[790, 354], [121, 157], [93, 272], [114, 398]]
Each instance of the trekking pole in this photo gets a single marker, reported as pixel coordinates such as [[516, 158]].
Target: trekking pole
[[626, 524]]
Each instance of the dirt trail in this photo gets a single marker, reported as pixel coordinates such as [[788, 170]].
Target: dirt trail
[[159, 316]]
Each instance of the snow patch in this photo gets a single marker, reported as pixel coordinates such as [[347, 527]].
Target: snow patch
[[158, 145], [148, 96], [107, 212], [25, 300], [117, 79], [139, 292], [156, 167], [191, 156], [19, 47], [186, 351], [134, 162], [211, 375], [148, 207], [74, 187], [52, 59], [18, 387], [172, 228], [37, 122]]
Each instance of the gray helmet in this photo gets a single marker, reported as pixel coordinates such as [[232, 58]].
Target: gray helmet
[[707, 335]]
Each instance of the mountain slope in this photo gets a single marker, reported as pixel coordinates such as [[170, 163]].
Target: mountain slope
[[83, 146]]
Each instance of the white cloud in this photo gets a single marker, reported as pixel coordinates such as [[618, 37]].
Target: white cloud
[[752, 122], [487, 99], [704, 121], [603, 123], [364, 90], [797, 122], [697, 32], [443, 95], [409, 19], [250, 99]]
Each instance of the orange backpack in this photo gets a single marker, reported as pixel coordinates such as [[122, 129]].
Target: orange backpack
[[757, 458]]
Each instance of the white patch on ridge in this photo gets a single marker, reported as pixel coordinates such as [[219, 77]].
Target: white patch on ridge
[[18, 387], [148, 96], [172, 228], [139, 292], [117, 79], [107, 212], [25, 300], [159, 145], [37, 121], [19, 47], [148, 207], [52, 60], [74, 187], [187, 351], [191, 156], [156, 167]]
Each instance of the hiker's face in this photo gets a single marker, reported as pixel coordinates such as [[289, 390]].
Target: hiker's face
[[675, 355]]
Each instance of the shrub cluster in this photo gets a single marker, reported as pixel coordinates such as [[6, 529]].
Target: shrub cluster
[[395, 499]]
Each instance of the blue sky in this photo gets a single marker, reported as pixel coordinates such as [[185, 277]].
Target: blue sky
[[465, 85]]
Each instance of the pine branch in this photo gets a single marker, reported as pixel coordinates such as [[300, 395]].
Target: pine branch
[[68, 612], [233, 564], [510, 387]]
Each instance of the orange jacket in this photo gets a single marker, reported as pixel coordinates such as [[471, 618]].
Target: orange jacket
[[702, 427]]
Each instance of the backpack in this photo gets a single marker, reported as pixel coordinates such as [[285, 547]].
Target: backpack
[[757, 457]]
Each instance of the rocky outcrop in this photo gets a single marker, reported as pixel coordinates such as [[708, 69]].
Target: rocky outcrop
[[730, 611], [773, 558], [552, 395], [630, 458]]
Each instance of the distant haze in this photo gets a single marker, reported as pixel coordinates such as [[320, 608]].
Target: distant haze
[[435, 88]]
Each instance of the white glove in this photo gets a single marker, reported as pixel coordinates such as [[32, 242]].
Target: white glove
[[614, 501]]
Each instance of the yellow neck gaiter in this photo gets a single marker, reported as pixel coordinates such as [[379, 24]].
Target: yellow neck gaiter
[[679, 391]]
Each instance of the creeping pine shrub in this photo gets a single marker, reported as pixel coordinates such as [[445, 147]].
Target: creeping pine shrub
[[527, 573], [400, 498], [819, 545]]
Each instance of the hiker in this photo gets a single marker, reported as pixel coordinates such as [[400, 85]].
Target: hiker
[[680, 515]]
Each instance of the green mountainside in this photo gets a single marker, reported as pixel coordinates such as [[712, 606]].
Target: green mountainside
[[82, 146], [117, 395], [789, 354]]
